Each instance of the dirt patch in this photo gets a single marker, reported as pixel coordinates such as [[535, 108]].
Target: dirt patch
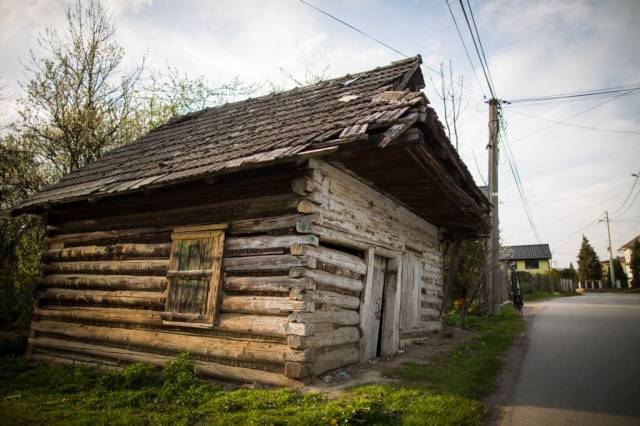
[[422, 350]]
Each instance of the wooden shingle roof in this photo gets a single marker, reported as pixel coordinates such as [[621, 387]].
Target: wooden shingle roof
[[369, 110]]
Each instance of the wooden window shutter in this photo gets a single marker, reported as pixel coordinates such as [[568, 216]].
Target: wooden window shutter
[[194, 275]]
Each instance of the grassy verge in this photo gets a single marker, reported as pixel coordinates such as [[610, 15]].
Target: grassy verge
[[539, 295], [447, 391]]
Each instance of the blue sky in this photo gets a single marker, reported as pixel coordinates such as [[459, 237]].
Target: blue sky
[[534, 48]]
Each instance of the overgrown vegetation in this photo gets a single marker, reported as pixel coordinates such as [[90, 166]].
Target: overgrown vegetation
[[447, 391]]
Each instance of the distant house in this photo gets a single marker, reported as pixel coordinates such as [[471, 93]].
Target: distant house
[[532, 258], [626, 261], [605, 268]]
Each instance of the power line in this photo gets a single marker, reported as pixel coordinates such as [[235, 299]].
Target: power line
[[631, 204], [631, 132], [475, 44], [473, 68], [355, 28], [517, 179], [473, 19], [572, 116], [635, 182], [574, 95], [380, 42]]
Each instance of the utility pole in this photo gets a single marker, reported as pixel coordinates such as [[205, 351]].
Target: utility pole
[[493, 292], [612, 273]]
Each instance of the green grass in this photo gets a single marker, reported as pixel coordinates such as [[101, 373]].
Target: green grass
[[447, 391], [540, 295]]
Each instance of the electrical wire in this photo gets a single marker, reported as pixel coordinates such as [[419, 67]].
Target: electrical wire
[[635, 182], [473, 19], [517, 179], [475, 159], [630, 204], [572, 116], [475, 44], [631, 132], [466, 51], [574, 95], [380, 42], [355, 28]]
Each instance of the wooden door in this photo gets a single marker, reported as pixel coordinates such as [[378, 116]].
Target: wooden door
[[371, 308]]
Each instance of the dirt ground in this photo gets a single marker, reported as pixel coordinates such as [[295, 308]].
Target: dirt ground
[[421, 351]]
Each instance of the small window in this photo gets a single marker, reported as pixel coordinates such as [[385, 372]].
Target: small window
[[531, 264], [194, 275]]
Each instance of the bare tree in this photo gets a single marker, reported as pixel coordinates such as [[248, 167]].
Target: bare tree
[[172, 93], [450, 94], [79, 100]]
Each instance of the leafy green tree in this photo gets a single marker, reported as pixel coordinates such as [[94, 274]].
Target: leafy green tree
[[589, 267], [635, 264], [173, 93], [20, 237], [78, 101], [619, 272]]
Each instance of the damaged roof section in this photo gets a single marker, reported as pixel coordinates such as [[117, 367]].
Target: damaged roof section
[[377, 123]]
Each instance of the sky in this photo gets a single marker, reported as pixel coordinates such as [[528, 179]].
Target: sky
[[570, 175]]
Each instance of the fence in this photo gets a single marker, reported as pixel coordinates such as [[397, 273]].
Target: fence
[[538, 283]]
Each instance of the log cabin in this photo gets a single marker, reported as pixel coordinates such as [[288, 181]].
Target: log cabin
[[274, 239]]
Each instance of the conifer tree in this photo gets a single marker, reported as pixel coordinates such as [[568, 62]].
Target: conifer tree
[[589, 267]]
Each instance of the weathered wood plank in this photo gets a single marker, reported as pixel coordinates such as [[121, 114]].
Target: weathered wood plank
[[261, 225], [333, 257], [136, 298], [280, 284], [121, 267], [390, 332], [267, 241], [110, 282], [110, 252], [268, 263], [265, 305], [338, 336], [248, 350], [331, 298], [210, 369], [328, 279], [91, 313], [342, 317]]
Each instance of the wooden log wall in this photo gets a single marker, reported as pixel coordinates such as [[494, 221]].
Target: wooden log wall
[[293, 274], [104, 284], [345, 211]]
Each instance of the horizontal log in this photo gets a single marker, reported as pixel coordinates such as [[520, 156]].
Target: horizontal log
[[137, 298], [261, 225], [91, 313], [330, 360], [333, 257], [279, 284], [267, 241], [110, 252], [333, 236], [210, 369], [268, 263], [110, 282], [217, 347], [258, 325], [194, 213], [342, 317], [265, 305], [328, 279], [121, 267], [83, 237], [331, 298], [338, 336]]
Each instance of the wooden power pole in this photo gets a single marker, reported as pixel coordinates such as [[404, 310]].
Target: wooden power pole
[[612, 273], [493, 292]]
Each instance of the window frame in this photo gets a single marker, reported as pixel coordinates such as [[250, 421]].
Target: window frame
[[527, 264], [216, 233]]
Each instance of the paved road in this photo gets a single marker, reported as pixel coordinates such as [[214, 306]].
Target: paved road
[[582, 364]]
